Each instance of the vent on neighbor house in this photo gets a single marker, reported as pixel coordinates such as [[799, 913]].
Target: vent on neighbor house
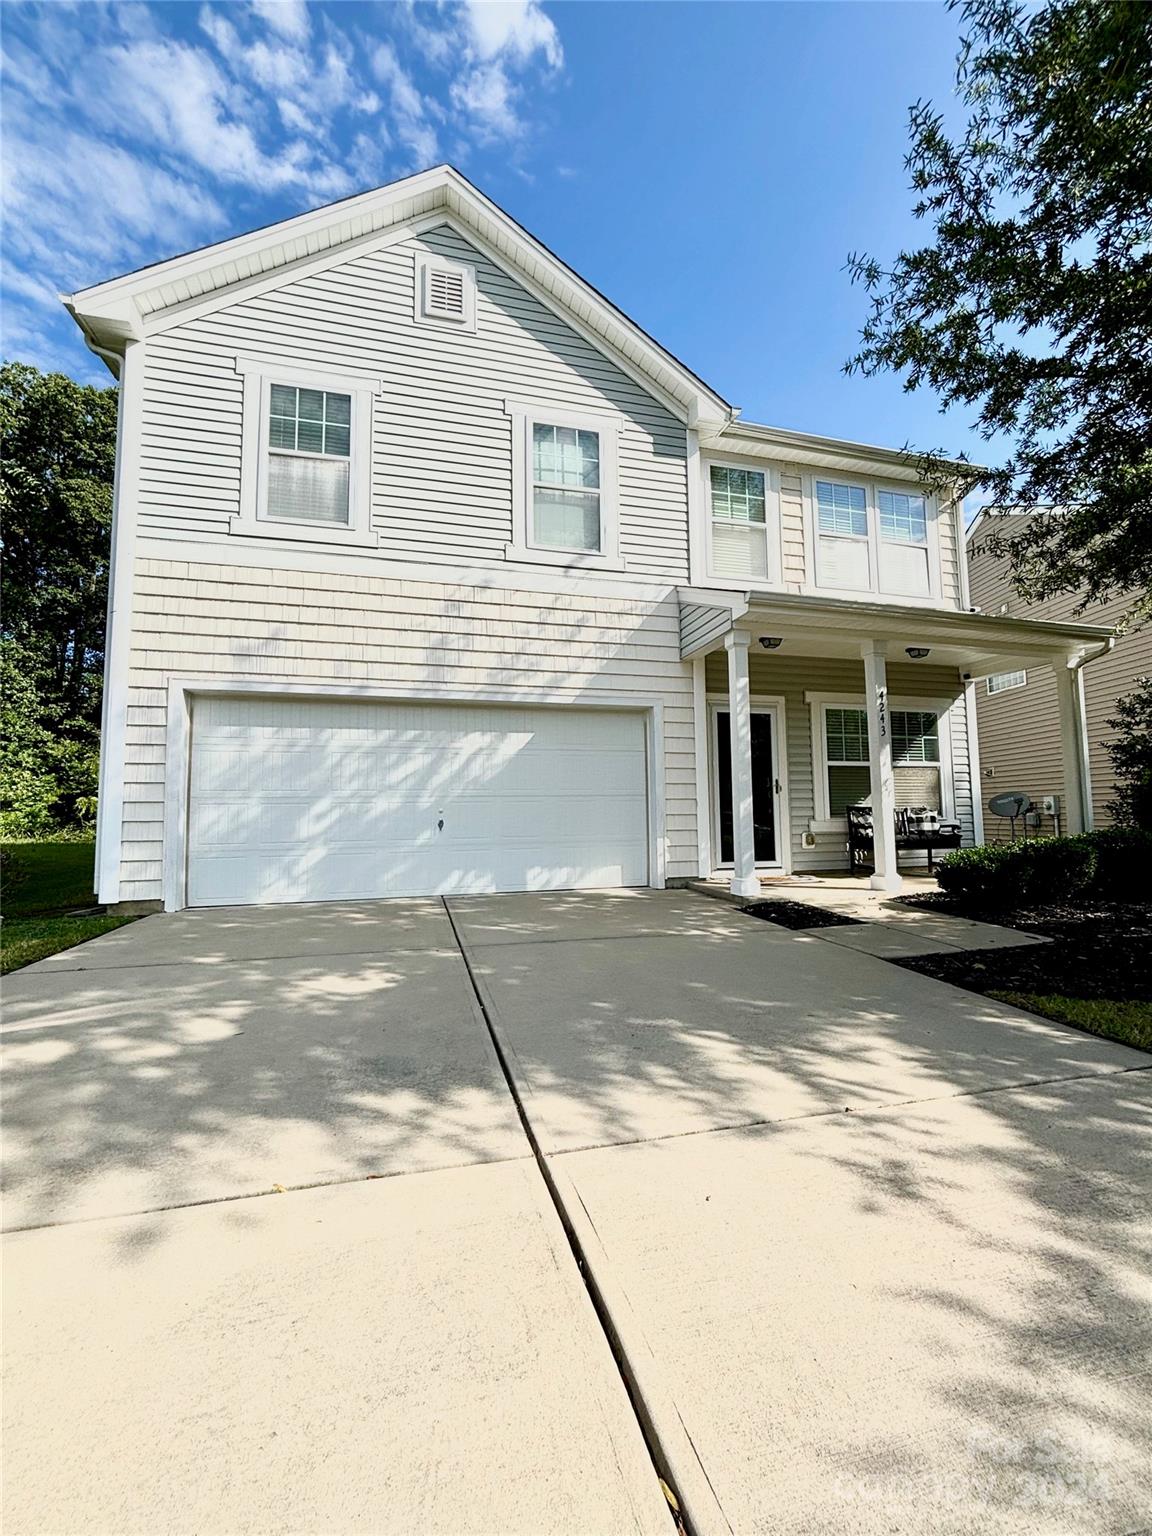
[[445, 293]]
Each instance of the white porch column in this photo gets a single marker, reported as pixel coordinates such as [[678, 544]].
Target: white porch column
[[1076, 808], [744, 881], [886, 876]]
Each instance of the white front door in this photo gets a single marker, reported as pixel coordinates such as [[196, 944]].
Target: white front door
[[770, 832], [314, 800]]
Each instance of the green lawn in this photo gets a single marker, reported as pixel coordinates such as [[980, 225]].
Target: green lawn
[[1129, 1022], [57, 879]]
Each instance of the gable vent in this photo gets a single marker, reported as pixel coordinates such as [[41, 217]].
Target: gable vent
[[446, 293]]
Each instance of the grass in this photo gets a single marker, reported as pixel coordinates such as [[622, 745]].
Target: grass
[[25, 939], [39, 906], [1128, 1022]]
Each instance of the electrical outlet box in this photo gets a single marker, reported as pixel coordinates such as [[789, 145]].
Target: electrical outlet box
[[808, 840]]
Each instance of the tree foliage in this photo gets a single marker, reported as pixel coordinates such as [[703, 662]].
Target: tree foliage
[[1131, 752], [1033, 300], [58, 441]]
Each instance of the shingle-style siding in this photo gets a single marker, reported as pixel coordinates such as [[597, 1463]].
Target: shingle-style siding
[[1019, 730], [208, 620], [794, 557], [791, 678], [442, 483]]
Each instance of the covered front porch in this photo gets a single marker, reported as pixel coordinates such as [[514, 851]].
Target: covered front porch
[[807, 705]]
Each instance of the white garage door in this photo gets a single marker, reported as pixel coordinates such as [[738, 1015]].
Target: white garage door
[[316, 801]]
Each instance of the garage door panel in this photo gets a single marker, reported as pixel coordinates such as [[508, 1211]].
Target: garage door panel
[[313, 800]]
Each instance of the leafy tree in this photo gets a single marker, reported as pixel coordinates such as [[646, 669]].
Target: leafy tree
[[1131, 753], [1033, 300], [58, 445]]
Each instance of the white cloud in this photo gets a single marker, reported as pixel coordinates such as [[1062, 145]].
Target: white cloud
[[288, 18], [265, 108], [485, 94], [513, 28], [410, 110]]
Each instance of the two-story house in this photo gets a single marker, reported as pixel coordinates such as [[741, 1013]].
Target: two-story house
[[433, 573]]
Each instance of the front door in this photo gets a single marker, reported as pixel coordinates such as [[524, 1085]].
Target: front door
[[764, 785]]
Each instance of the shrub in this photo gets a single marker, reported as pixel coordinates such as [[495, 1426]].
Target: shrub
[[1114, 864], [1123, 863], [1011, 874]]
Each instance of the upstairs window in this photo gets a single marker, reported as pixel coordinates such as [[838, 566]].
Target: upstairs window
[[305, 454], [565, 486], [309, 451], [843, 557], [739, 522], [566, 489], [903, 543], [871, 538]]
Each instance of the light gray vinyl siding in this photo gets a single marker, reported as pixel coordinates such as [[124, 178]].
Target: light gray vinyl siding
[[442, 453], [791, 678], [1019, 730], [700, 624], [215, 621]]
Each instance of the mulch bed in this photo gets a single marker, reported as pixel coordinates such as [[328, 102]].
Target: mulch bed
[[1099, 950], [797, 914]]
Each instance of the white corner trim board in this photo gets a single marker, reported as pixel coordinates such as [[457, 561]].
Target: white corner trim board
[[183, 694], [110, 801]]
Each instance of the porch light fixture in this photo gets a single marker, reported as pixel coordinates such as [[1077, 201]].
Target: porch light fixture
[[771, 642], [917, 652]]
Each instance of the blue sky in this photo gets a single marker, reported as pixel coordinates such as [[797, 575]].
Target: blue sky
[[709, 166]]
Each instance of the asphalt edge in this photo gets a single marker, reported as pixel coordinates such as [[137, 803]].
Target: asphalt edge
[[673, 1455]]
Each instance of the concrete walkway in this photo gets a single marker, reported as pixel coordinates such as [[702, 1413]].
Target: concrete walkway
[[399, 1342], [881, 924], [877, 1248]]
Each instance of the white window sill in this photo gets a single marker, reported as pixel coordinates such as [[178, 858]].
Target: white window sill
[[566, 559], [305, 533], [831, 824]]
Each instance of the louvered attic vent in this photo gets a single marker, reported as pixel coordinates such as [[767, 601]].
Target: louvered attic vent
[[445, 294]]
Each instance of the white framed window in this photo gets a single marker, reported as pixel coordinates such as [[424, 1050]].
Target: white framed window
[[841, 758], [743, 527], [874, 538], [306, 454], [564, 486], [1002, 682], [445, 293]]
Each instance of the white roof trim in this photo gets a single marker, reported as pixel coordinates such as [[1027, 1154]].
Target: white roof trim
[[118, 310]]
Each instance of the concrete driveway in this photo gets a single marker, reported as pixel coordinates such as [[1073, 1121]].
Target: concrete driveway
[[399, 1342], [875, 1250], [878, 1249]]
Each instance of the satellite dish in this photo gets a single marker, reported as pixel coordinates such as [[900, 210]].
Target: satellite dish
[[1010, 804]]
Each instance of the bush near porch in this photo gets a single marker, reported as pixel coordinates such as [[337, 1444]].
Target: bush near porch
[[1114, 863], [1088, 896]]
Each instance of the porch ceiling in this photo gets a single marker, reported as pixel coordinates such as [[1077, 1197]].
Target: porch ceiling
[[975, 643]]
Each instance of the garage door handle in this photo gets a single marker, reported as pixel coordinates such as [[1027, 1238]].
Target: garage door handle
[[440, 823]]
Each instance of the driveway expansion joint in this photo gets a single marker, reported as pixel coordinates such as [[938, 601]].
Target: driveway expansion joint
[[645, 1419], [851, 1109]]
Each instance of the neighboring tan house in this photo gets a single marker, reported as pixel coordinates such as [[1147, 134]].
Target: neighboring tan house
[[1019, 710], [433, 573]]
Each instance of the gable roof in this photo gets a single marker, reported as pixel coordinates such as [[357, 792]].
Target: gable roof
[[130, 307]]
